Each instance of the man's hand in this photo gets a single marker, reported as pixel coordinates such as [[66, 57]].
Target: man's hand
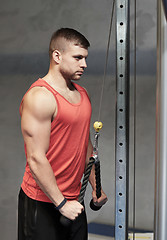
[[99, 201], [71, 209]]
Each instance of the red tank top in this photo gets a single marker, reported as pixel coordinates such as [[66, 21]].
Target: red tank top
[[68, 145]]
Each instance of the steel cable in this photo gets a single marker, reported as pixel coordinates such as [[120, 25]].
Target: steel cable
[[134, 138], [106, 60]]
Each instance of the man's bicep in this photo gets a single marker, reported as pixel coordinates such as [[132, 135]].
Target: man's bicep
[[35, 130]]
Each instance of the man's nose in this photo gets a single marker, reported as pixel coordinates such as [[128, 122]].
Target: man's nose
[[84, 64]]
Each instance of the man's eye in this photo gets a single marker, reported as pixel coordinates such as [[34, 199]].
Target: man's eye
[[78, 57]]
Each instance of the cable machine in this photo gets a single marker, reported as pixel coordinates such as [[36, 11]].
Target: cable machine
[[122, 120], [122, 10], [161, 126]]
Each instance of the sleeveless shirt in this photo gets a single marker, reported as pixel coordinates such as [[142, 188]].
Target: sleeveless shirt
[[67, 151]]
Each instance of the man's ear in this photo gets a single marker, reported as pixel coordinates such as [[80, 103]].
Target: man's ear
[[56, 55]]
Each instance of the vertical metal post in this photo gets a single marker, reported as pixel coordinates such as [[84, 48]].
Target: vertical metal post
[[161, 128], [122, 120]]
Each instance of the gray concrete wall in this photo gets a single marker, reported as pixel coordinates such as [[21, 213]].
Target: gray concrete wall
[[26, 27]]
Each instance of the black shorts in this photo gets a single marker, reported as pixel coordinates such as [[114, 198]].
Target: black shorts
[[41, 221]]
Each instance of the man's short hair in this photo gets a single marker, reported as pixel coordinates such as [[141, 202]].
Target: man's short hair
[[69, 35]]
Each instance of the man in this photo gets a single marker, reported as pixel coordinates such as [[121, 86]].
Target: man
[[55, 121]]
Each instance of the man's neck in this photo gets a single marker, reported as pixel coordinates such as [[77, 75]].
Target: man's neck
[[57, 81]]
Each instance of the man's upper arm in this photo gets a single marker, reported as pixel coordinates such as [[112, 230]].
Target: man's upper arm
[[36, 117]]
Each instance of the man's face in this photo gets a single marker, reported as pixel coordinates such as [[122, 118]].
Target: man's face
[[73, 62]]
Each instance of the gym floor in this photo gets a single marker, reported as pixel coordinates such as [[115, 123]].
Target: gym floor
[[138, 236], [97, 237]]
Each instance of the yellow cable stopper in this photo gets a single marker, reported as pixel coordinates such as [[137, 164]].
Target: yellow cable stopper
[[98, 126]]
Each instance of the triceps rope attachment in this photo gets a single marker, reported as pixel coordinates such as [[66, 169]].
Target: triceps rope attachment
[[94, 159]]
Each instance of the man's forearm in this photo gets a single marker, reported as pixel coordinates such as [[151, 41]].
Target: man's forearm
[[92, 179], [43, 174]]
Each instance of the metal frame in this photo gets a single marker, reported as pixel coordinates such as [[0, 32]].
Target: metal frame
[[122, 120], [161, 128]]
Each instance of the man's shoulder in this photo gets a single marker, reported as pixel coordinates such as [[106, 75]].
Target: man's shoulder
[[38, 93], [39, 101]]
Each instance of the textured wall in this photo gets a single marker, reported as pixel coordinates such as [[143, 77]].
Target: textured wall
[[26, 27]]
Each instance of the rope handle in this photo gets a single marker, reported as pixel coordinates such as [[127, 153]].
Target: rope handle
[[93, 206]]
